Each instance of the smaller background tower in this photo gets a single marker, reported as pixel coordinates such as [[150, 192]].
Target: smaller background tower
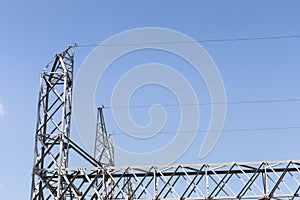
[[104, 143]]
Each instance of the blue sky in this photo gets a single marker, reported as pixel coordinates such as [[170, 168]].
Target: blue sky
[[33, 31]]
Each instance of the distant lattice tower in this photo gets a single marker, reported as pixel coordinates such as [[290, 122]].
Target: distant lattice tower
[[104, 144]]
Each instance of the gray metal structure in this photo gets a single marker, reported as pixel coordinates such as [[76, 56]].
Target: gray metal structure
[[53, 145], [54, 176], [104, 144]]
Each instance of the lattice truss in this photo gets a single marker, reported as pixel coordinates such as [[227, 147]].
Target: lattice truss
[[52, 141], [54, 178], [104, 144], [262, 180]]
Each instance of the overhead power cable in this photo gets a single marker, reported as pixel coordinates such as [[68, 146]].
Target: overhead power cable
[[198, 41], [207, 104], [223, 130]]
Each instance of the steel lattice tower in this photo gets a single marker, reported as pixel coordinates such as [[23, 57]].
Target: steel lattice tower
[[54, 177], [104, 145], [53, 124], [52, 140]]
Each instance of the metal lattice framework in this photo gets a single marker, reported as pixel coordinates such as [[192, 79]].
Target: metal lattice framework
[[52, 139], [104, 144], [54, 178], [256, 180], [53, 124]]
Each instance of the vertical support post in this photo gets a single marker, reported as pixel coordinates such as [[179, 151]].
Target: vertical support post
[[155, 184], [264, 177], [206, 182]]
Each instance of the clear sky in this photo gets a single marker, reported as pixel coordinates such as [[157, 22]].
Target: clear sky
[[253, 70]]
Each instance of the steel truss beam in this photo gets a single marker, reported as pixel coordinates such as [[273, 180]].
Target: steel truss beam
[[261, 180], [54, 178]]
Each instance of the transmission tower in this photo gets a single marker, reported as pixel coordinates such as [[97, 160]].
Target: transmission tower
[[55, 177], [104, 144], [53, 126], [50, 175]]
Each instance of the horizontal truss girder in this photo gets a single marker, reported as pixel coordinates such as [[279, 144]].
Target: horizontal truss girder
[[261, 180]]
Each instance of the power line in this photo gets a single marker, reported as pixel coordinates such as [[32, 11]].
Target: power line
[[208, 104], [223, 130], [198, 41]]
